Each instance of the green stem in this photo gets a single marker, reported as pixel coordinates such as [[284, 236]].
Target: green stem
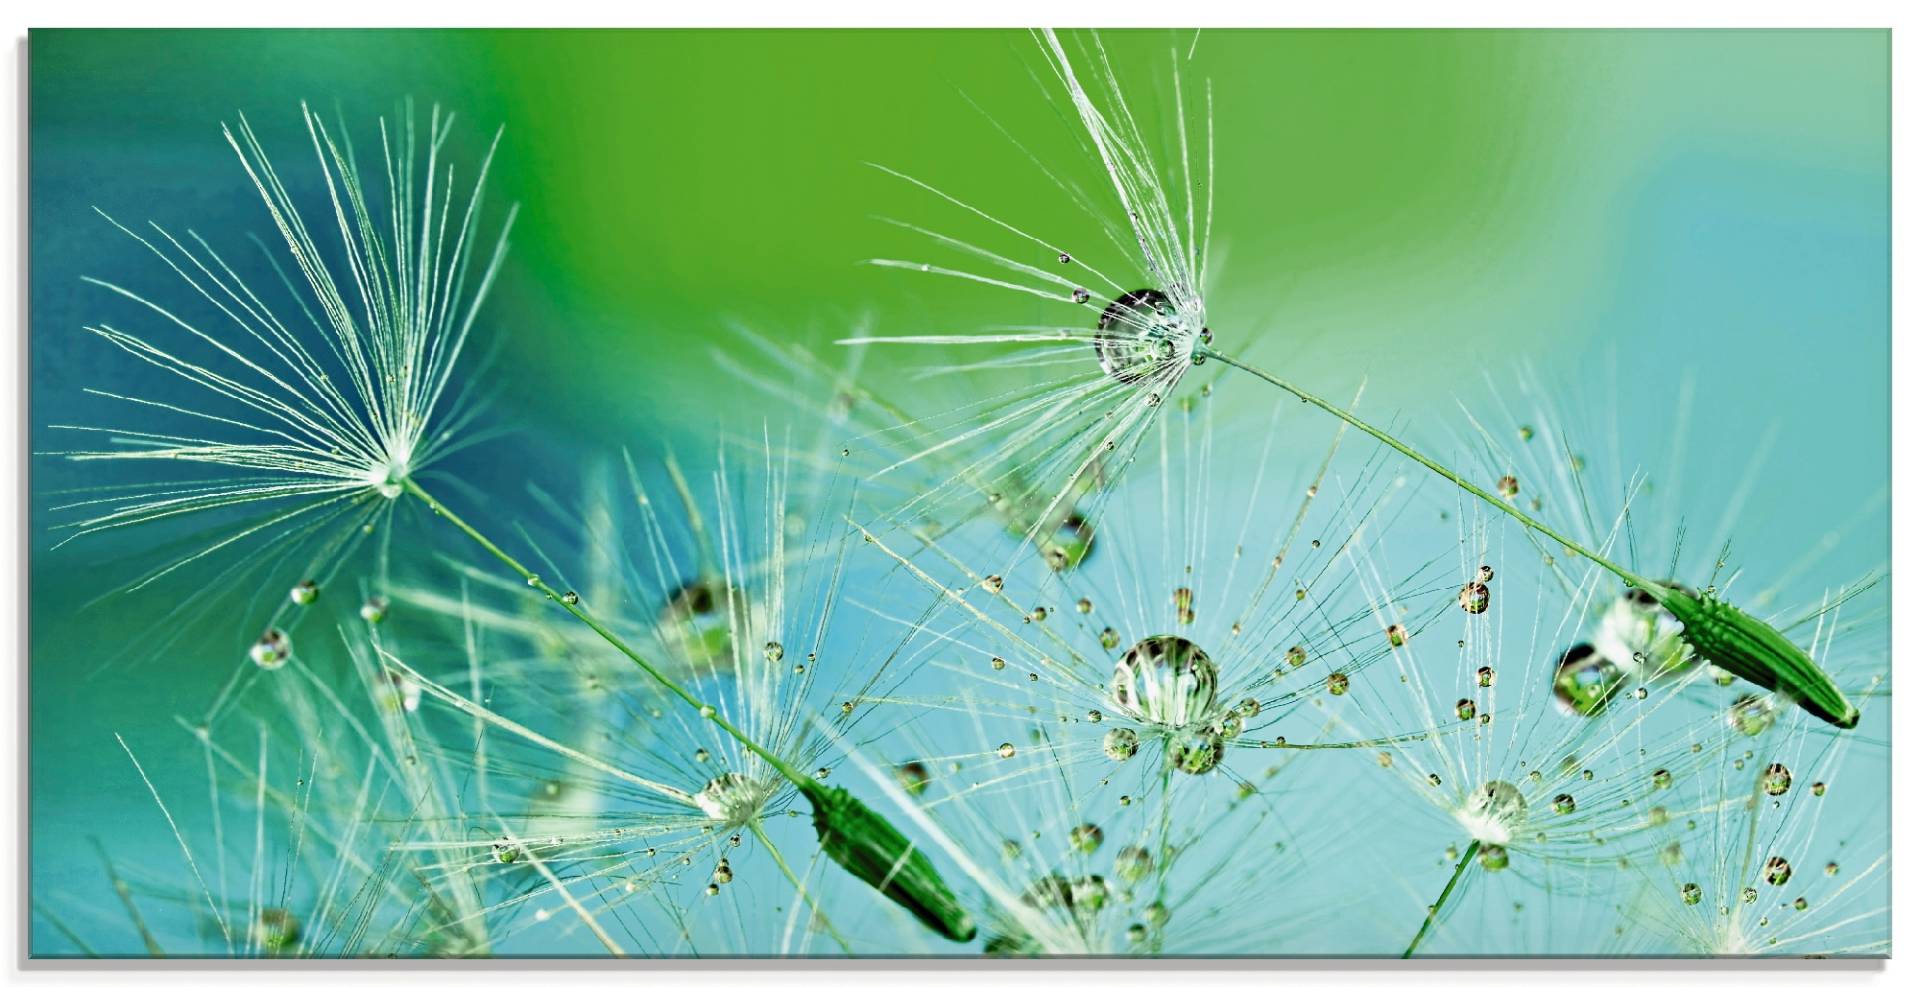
[[534, 581], [1498, 503], [798, 885], [1433, 913]]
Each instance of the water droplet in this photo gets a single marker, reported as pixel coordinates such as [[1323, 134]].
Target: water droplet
[[1464, 709], [1777, 871], [1776, 779], [1586, 680], [733, 798], [374, 611], [272, 649], [1475, 597], [1662, 779], [1066, 258], [1083, 605], [913, 777], [1799, 904], [998, 663], [505, 853], [1337, 684], [993, 584], [1484, 676], [1139, 336], [1198, 751], [775, 651], [1562, 804], [1818, 789], [1690, 893], [1509, 487], [1081, 295], [1120, 743], [1005, 751], [1296, 656], [1397, 634], [276, 929], [1086, 838], [570, 598], [1751, 714], [1493, 857], [1166, 680], [1670, 855], [304, 592], [1497, 810], [706, 712]]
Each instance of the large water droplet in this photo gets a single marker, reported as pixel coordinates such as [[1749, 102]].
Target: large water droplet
[[1140, 335], [1166, 680]]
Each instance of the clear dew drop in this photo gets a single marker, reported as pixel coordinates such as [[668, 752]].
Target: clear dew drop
[[775, 651], [1751, 714], [913, 777], [1509, 487], [1464, 709], [1166, 680], [304, 592], [1120, 744], [1493, 857], [1086, 838], [1586, 680], [570, 598], [1563, 804], [1690, 893], [1337, 684], [1777, 871], [1475, 598], [1198, 751], [272, 649], [374, 610], [1005, 751], [1139, 336], [1397, 634], [1081, 295], [1776, 779]]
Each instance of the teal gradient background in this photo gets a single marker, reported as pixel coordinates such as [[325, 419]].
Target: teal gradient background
[[1626, 212]]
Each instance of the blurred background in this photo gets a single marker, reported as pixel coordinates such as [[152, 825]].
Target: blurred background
[[1630, 214]]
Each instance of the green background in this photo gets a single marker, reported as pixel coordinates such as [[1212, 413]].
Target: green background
[[1622, 210]]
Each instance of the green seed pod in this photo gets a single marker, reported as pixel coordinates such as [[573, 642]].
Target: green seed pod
[[867, 846], [1747, 646]]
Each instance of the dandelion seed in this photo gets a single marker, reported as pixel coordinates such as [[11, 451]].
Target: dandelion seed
[[299, 441]]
